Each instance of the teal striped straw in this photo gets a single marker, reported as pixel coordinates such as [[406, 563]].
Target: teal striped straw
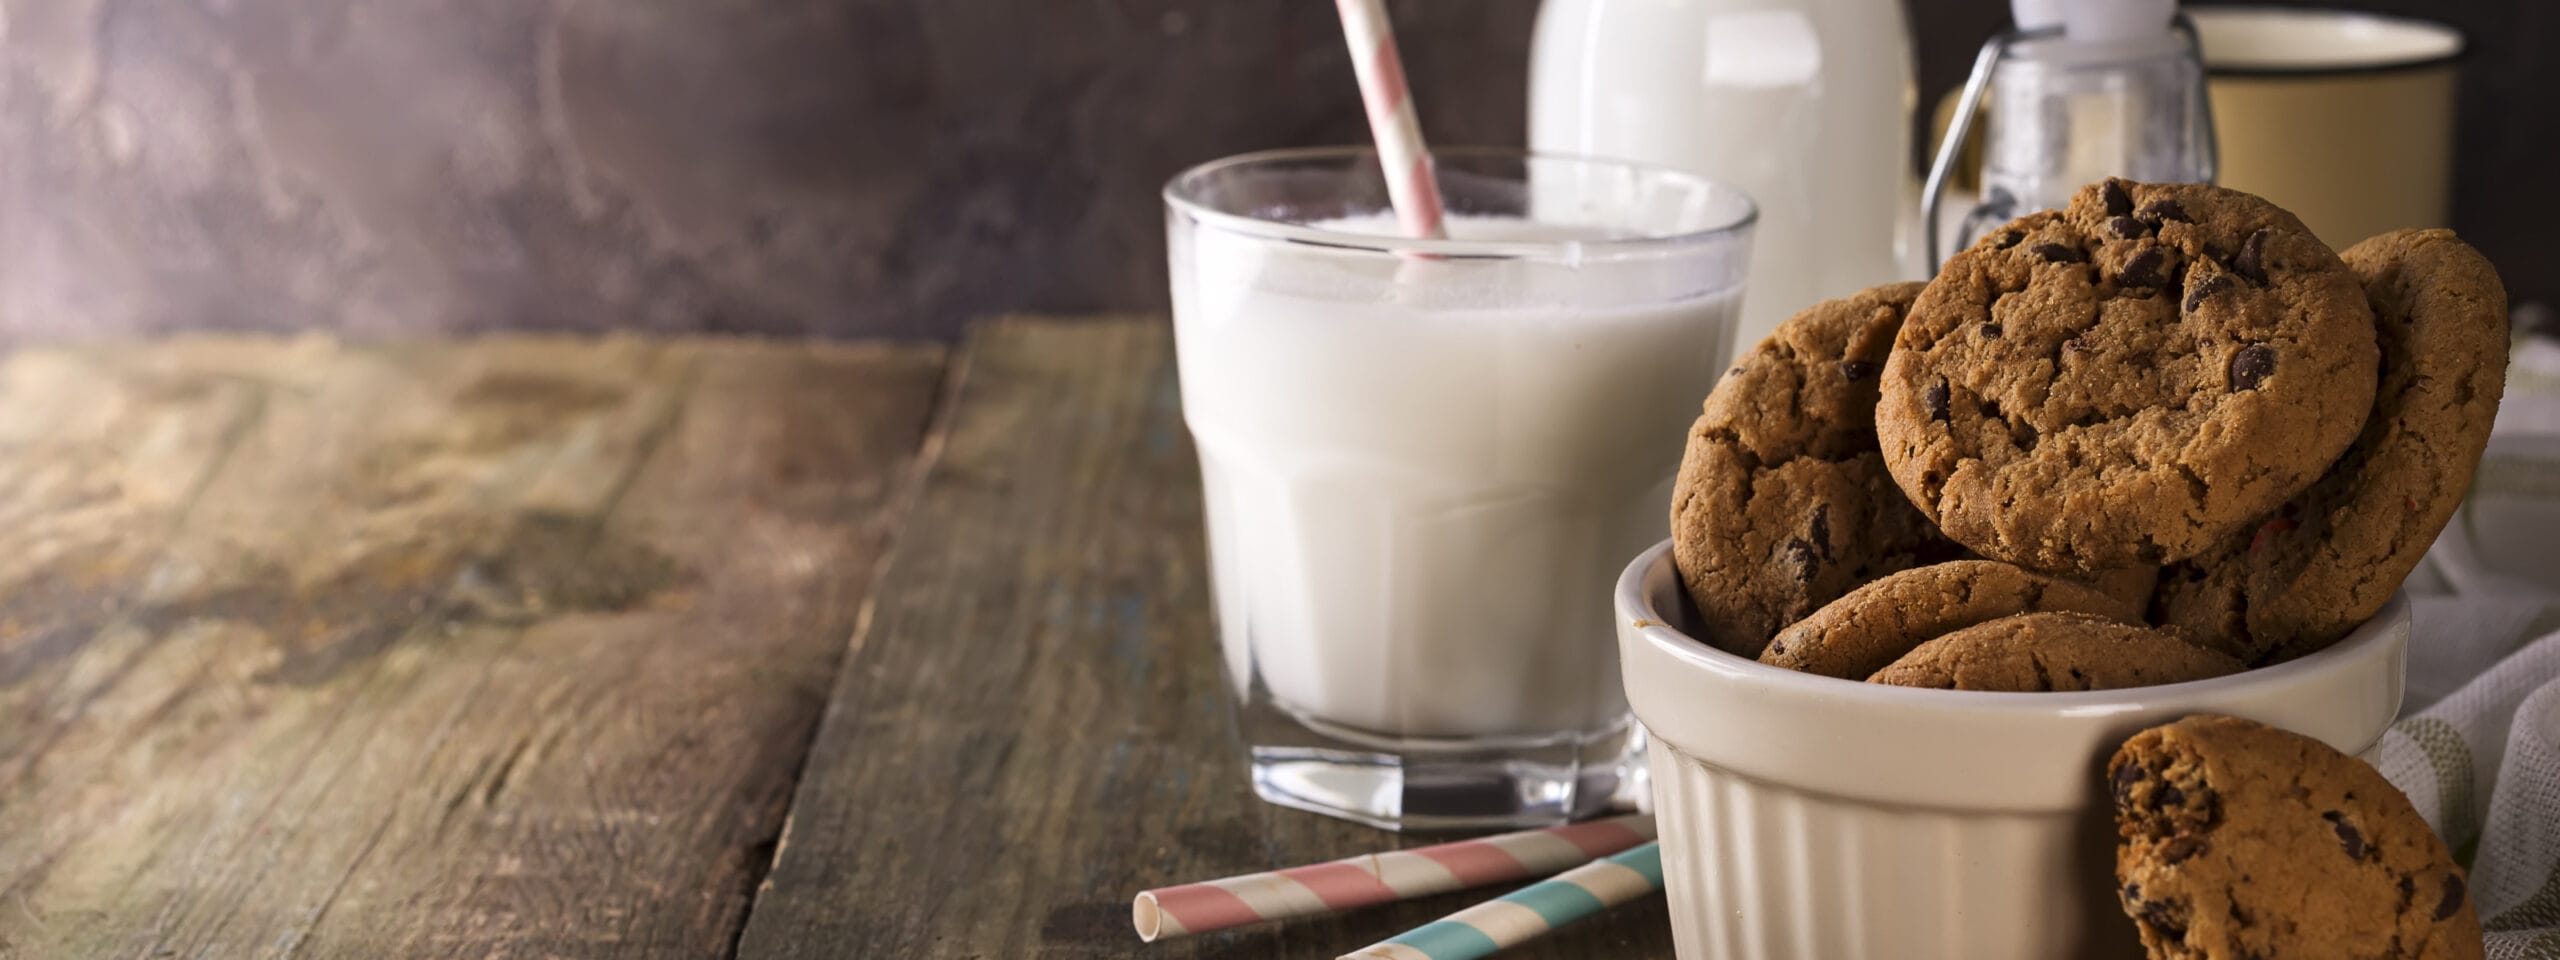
[[1528, 913]]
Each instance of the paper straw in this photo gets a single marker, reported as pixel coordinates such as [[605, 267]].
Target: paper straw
[[1402, 157], [1374, 878], [1493, 925]]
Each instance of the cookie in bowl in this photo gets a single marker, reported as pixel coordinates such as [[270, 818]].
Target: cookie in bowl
[[1874, 625], [2126, 381], [2049, 652], [1782, 501], [2301, 577]]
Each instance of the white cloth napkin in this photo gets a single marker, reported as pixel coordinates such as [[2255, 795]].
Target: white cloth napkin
[[2478, 747]]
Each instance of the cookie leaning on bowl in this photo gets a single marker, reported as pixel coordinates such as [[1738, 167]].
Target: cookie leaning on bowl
[[2328, 559], [2241, 840], [2126, 381], [1782, 502]]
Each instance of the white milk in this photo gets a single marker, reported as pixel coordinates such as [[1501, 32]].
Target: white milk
[[1803, 104], [1415, 509]]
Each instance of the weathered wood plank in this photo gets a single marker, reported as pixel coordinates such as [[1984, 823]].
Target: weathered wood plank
[[632, 768], [500, 649], [1032, 727], [100, 459], [160, 808]]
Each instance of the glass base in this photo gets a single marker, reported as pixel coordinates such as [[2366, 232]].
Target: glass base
[[1428, 785]]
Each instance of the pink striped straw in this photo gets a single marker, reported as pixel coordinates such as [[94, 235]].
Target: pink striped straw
[[1411, 187], [1374, 878]]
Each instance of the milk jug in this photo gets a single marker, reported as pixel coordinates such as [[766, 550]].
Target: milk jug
[[1803, 104]]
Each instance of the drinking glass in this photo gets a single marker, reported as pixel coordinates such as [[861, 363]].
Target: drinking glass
[[1424, 461]]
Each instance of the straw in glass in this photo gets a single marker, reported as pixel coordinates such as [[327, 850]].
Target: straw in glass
[[1402, 156]]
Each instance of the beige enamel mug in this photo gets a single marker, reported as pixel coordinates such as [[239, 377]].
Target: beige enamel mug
[[1807, 817], [2344, 118]]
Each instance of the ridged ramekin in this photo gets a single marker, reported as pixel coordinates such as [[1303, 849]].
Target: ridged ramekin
[[1812, 818]]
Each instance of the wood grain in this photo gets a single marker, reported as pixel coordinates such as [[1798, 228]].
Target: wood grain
[[506, 648], [1033, 726]]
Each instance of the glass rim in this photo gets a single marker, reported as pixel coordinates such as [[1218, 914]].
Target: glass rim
[[1176, 196]]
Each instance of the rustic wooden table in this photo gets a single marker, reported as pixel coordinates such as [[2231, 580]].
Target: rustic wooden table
[[531, 648]]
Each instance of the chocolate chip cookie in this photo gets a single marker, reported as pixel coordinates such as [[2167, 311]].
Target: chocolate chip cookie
[[1874, 625], [1782, 501], [2328, 559], [2126, 381], [2239, 840], [2039, 652]]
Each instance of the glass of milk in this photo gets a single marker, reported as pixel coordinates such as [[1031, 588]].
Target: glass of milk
[[1425, 460]]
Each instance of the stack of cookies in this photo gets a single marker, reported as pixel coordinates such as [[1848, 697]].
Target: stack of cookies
[[2160, 435]]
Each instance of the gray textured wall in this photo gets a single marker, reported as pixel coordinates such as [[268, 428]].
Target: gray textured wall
[[847, 167]]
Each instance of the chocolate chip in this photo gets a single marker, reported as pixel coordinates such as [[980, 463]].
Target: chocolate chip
[[2026, 436], [1992, 330], [2144, 269], [2168, 795], [2157, 912], [1991, 409], [1821, 529], [2348, 838], [2163, 209], [2132, 893], [2181, 848], [2057, 253], [2251, 366], [2119, 203], [1936, 398], [2212, 285], [2127, 228], [2126, 777], [2252, 260], [1856, 370], [2008, 238], [2452, 902], [1800, 554]]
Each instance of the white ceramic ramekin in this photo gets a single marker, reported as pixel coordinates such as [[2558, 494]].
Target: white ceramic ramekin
[[1812, 818]]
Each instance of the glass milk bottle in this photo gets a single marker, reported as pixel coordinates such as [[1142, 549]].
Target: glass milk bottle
[[1803, 104]]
